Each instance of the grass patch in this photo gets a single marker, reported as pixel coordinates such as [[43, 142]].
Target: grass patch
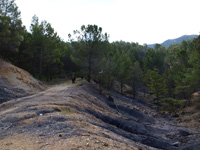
[[79, 81], [59, 81], [64, 110], [67, 111]]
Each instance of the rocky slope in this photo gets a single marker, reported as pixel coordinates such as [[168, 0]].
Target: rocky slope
[[15, 82]]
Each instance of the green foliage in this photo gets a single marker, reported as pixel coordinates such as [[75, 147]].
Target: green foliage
[[193, 74], [122, 67], [173, 72], [153, 59], [169, 83], [47, 46], [88, 48], [157, 46], [156, 85], [11, 29], [136, 76], [146, 78], [107, 70], [171, 104], [179, 71]]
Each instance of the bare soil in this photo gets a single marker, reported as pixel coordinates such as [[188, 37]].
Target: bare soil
[[15, 82], [77, 117]]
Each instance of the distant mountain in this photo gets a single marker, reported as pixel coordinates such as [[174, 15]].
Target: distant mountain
[[169, 42]]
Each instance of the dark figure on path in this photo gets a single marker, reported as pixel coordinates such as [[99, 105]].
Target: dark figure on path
[[73, 79]]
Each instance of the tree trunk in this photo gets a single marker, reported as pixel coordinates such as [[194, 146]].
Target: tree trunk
[[89, 69], [40, 75], [50, 73], [34, 64], [121, 87], [144, 92], [157, 100], [108, 83], [60, 70], [100, 90], [134, 90], [51, 76], [47, 72]]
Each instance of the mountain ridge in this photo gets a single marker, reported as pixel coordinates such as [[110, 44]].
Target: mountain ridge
[[178, 40]]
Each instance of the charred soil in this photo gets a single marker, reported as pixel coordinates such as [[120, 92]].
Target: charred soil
[[79, 117]]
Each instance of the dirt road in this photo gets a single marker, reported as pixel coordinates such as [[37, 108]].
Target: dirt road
[[77, 117]]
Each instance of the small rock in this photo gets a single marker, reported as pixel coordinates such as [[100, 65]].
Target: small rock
[[96, 141], [60, 135], [176, 144], [105, 144]]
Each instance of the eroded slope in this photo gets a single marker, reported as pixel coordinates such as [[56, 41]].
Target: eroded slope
[[78, 117], [15, 82]]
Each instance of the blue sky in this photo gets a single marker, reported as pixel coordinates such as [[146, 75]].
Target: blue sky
[[142, 21]]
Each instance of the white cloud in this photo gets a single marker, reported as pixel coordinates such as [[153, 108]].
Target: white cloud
[[143, 21]]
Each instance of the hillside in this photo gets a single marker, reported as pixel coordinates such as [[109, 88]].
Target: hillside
[[78, 117], [15, 82], [169, 42]]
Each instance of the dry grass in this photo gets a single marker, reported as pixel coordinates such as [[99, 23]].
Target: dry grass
[[190, 116], [12, 78]]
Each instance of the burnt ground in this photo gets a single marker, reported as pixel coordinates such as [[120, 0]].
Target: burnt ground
[[78, 117]]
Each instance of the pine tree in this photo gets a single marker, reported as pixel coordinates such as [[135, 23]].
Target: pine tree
[[122, 67], [11, 29], [88, 47], [156, 85], [135, 77], [193, 74]]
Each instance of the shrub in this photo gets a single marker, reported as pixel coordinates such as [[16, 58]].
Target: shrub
[[171, 104]]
